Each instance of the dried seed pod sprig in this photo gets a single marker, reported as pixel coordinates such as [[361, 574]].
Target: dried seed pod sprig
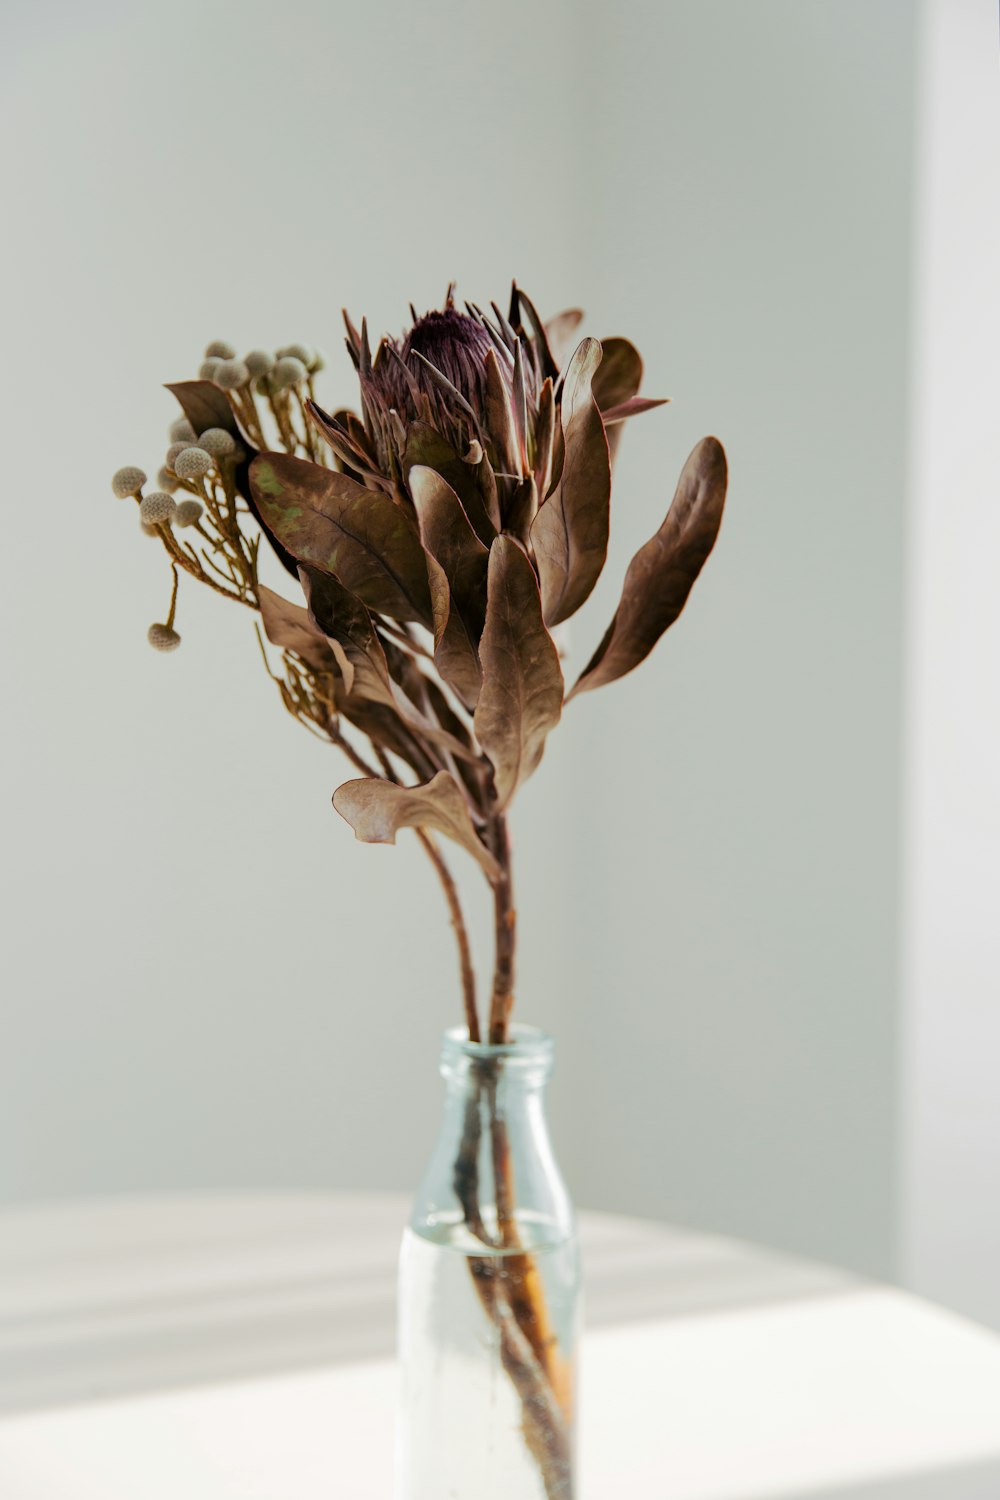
[[437, 538]]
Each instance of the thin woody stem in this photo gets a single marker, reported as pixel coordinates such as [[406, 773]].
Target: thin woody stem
[[461, 933], [505, 918]]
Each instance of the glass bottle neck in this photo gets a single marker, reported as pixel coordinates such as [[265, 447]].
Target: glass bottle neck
[[493, 1163]]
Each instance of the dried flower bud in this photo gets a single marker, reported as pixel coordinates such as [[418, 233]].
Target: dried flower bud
[[127, 481], [157, 508], [188, 512], [207, 369], [177, 448], [166, 479], [148, 530], [290, 370], [259, 362], [219, 349], [318, 362], [163, 637], [230, 374], [181, 431], [192, 463], [300, 352], [216, 440]]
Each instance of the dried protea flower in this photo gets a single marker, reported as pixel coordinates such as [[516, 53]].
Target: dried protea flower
[[157, 508], [460, 518], [219, 349], [128, 481], [188, 512], [163, 637], [217, 441], [193, 463]]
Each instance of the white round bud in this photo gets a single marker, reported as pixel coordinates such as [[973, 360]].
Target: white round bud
[[166, 479], [177, 448], [188, 512], [192, 463], [216, 440], [300, 352], [163, 637], [219, 349], [259, 362], [207, 369], [289, 370], [127, 481], [318, 362], [231, 374], [181, 431], [157, 508]]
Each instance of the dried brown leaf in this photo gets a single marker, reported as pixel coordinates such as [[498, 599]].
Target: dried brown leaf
[[522, 692], [328, 522], [292, 628], [474, 484], [570, 532], [662, 573], [377, 810]]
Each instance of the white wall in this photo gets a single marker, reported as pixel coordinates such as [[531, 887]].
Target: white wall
[[198, 991], [738, 940], [950, 1230]]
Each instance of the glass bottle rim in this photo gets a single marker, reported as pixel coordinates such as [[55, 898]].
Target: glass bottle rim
[[526, 1045]]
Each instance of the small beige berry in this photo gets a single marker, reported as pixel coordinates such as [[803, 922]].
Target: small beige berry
[[157, 508], [166, 479], [163, 637], [219, 349], [208, 369], [181, 431], [300, 352], [231, 374], [192, 463], [289, 370], [259, 362], [127, 481], [177, 448], [216, 440], [188, 513]]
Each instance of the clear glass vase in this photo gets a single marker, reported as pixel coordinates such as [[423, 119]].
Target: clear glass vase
[[489, 1290]]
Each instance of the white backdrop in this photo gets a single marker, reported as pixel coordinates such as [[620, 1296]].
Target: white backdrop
[[207, 983]]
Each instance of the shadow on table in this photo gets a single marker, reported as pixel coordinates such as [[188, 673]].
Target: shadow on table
[[128, 1296], [971, 1482]]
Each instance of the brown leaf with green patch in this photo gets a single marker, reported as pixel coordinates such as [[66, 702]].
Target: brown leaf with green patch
[[360, 536], [522, 693], [662, 573], [377, 810], [570, 532]]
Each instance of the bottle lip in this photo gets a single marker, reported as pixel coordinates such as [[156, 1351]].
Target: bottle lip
[[526, 1044]]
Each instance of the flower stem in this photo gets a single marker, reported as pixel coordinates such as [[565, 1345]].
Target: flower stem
[[461, 933], [505, 920]]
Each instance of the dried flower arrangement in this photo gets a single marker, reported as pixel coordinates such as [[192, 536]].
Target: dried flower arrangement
[[439, 539]]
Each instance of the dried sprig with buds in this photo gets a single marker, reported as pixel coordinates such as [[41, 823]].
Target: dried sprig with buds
[[437, 537]]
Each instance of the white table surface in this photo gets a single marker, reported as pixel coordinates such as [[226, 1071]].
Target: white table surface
[[239, 1348]]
